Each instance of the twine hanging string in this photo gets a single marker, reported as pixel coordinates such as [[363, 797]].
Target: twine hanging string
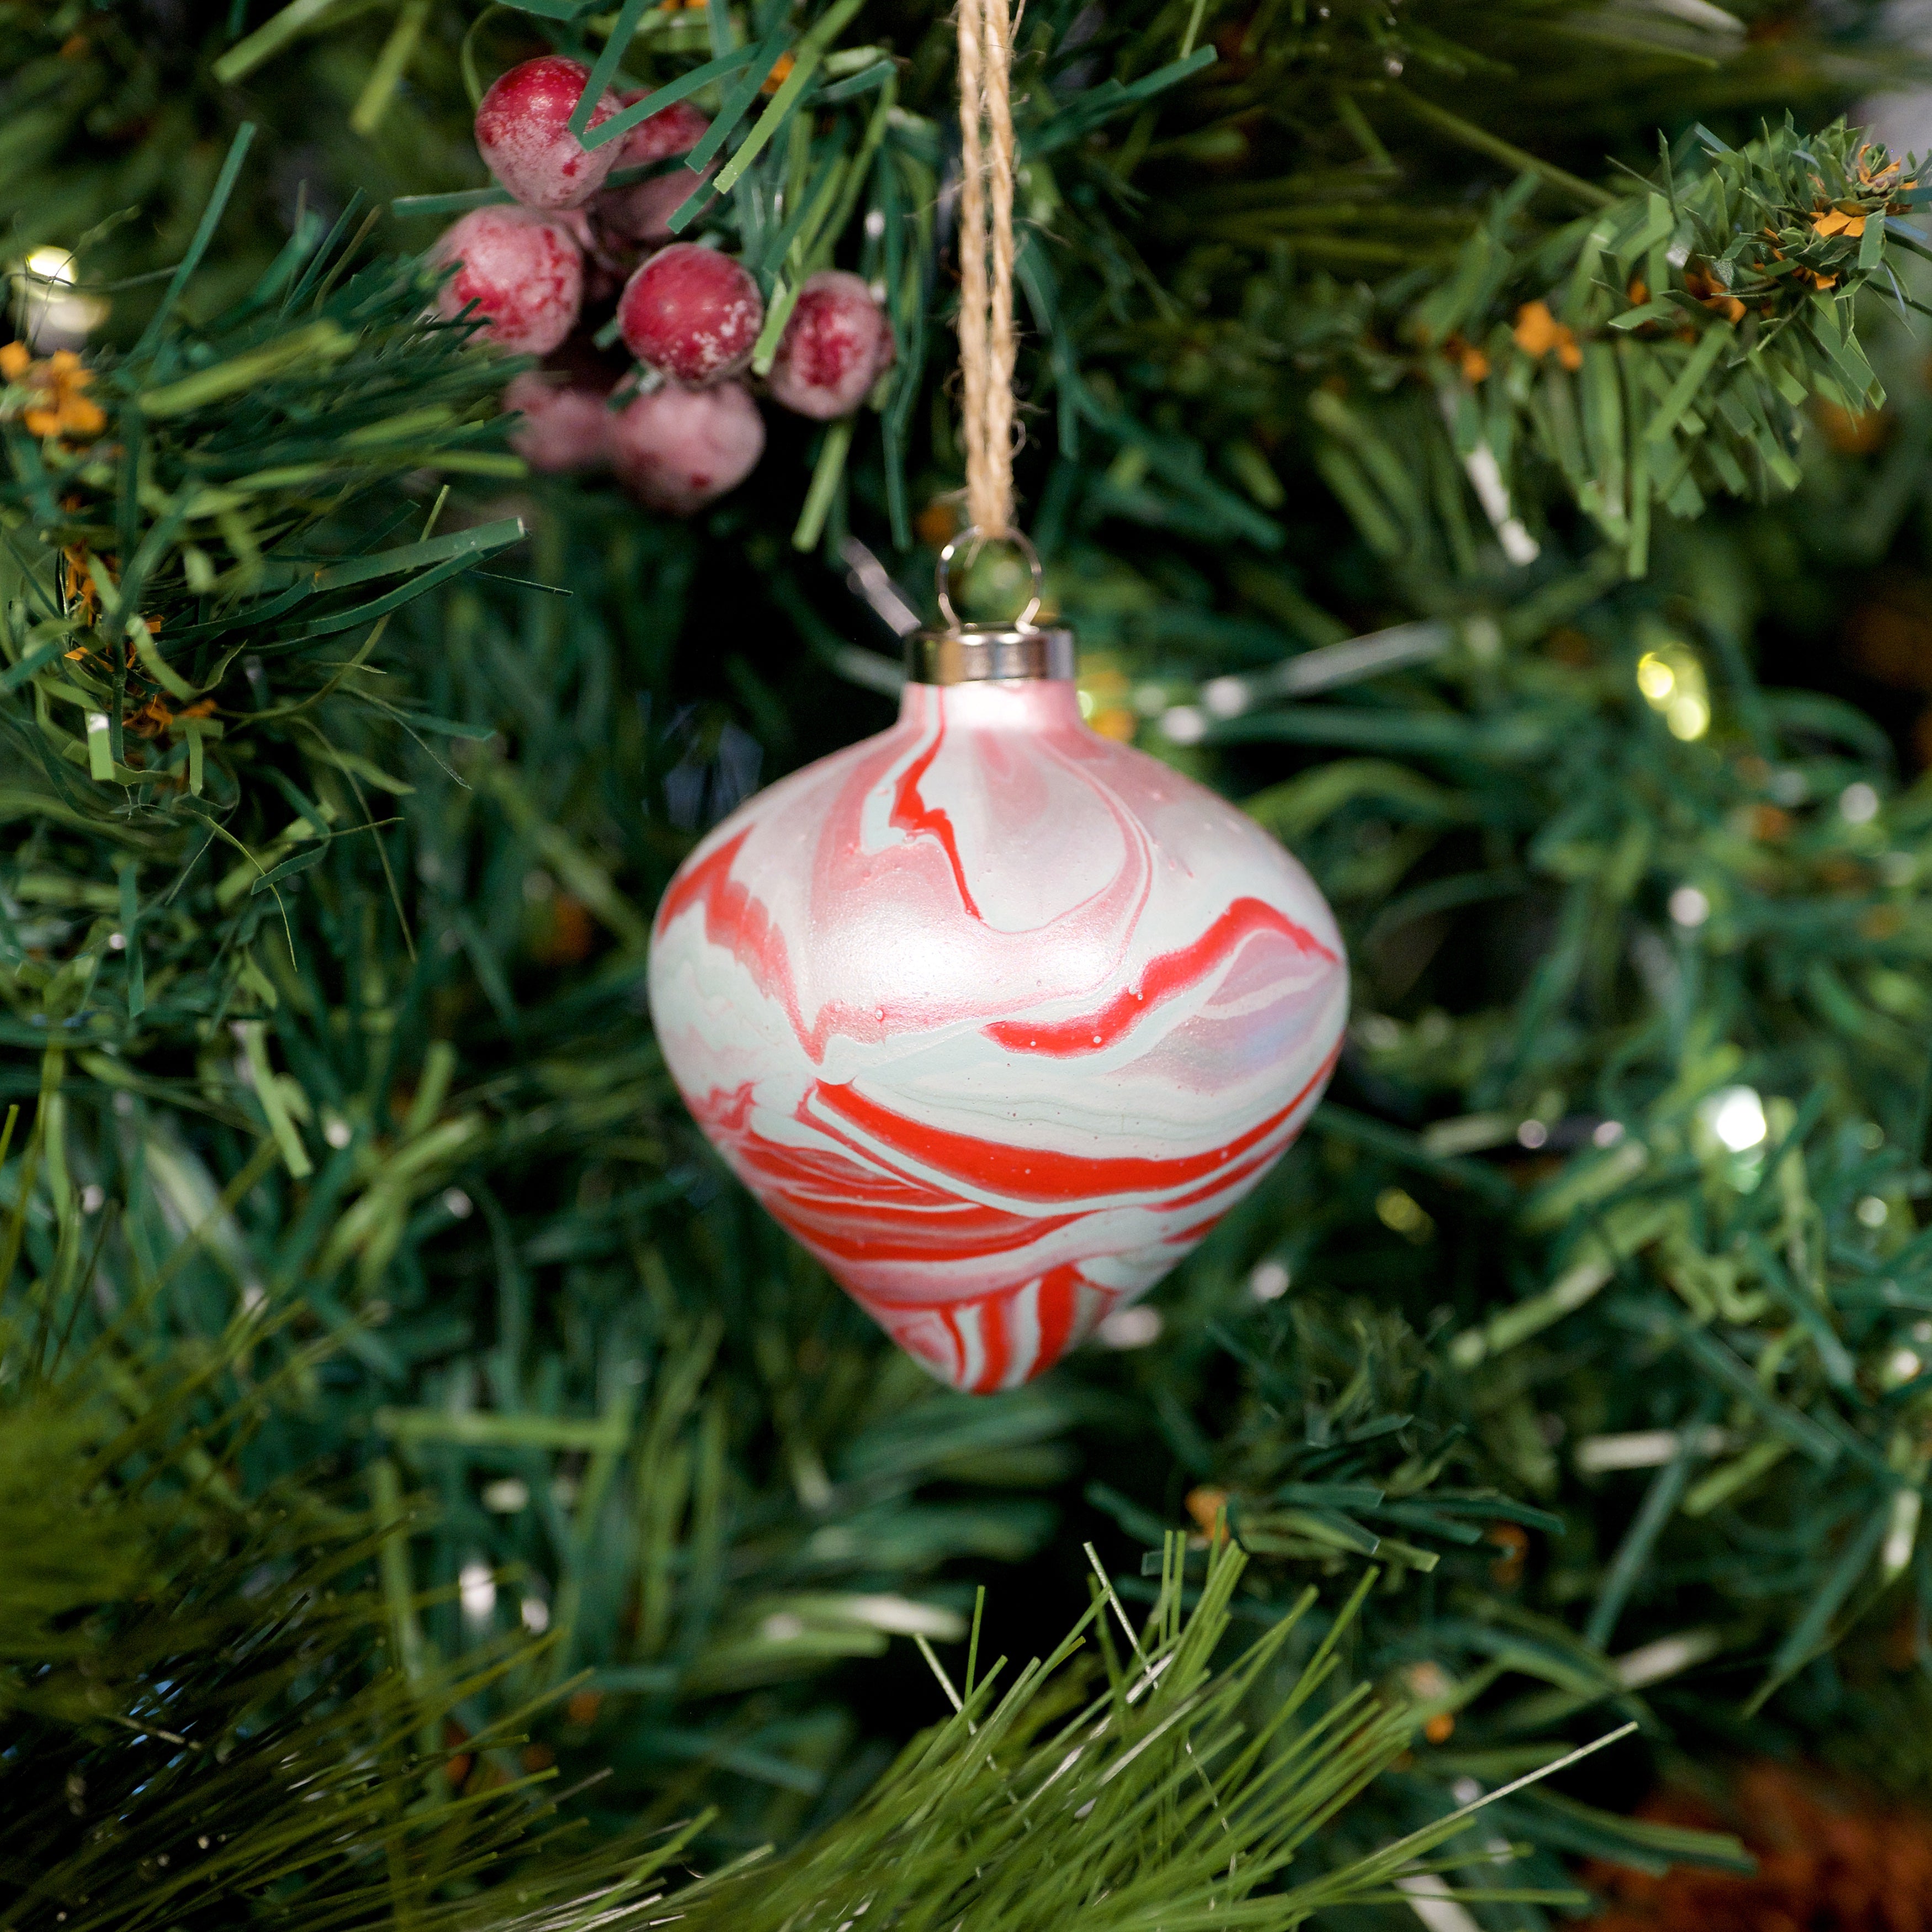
[[986, 261]]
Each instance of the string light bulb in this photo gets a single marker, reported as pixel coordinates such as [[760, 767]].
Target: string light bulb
[[1671, 681], [49, 310], [1735, 1116]]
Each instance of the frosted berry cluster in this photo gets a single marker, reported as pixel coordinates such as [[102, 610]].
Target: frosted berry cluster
[[540, 279]]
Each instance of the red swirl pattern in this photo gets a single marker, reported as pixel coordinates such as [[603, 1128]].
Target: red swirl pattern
[[996, 1017]]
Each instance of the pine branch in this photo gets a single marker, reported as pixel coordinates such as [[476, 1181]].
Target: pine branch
[[1178, 1795], [216, 1729], [1719, 1285], [197, 1719], [196, 588], [1660, 352]]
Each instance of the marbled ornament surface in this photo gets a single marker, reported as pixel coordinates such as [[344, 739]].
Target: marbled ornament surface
[[998, 1017]]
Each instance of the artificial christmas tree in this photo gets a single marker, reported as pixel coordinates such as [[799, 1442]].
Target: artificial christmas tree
[[1524, 522]]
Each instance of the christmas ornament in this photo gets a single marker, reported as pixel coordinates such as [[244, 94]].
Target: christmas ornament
[[523, 132], [523, 271], [691, 314], [997, 1015], [836, 345], [677, 449]]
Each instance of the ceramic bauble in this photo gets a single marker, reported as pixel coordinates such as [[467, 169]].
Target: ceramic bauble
[[997, 1015]]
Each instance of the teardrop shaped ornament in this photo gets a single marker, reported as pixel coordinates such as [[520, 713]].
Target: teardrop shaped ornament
[[996, 1015]]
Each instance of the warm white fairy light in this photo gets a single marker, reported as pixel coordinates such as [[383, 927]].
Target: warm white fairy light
[[1671, 680], [1689, 906], [1736, 1115], [50, 312], [1858, 802], [54, 266], [476, 1588], [1135, 1327], [1270, 1280]]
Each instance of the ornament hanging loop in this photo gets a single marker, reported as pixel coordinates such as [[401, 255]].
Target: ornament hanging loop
[[1019, 651], [975, 539]]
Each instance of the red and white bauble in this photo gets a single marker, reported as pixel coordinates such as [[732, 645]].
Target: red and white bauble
[[997, 1016]]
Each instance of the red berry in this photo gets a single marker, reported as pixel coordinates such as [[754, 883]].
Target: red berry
[[524, 135], [676, 130], [835, 347], [522, 270], [676, 449], [564, 427], [639, 216], [691, 314]]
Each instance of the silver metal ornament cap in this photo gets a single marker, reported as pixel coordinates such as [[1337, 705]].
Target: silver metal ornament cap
[[959, 653], [967, 653]]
